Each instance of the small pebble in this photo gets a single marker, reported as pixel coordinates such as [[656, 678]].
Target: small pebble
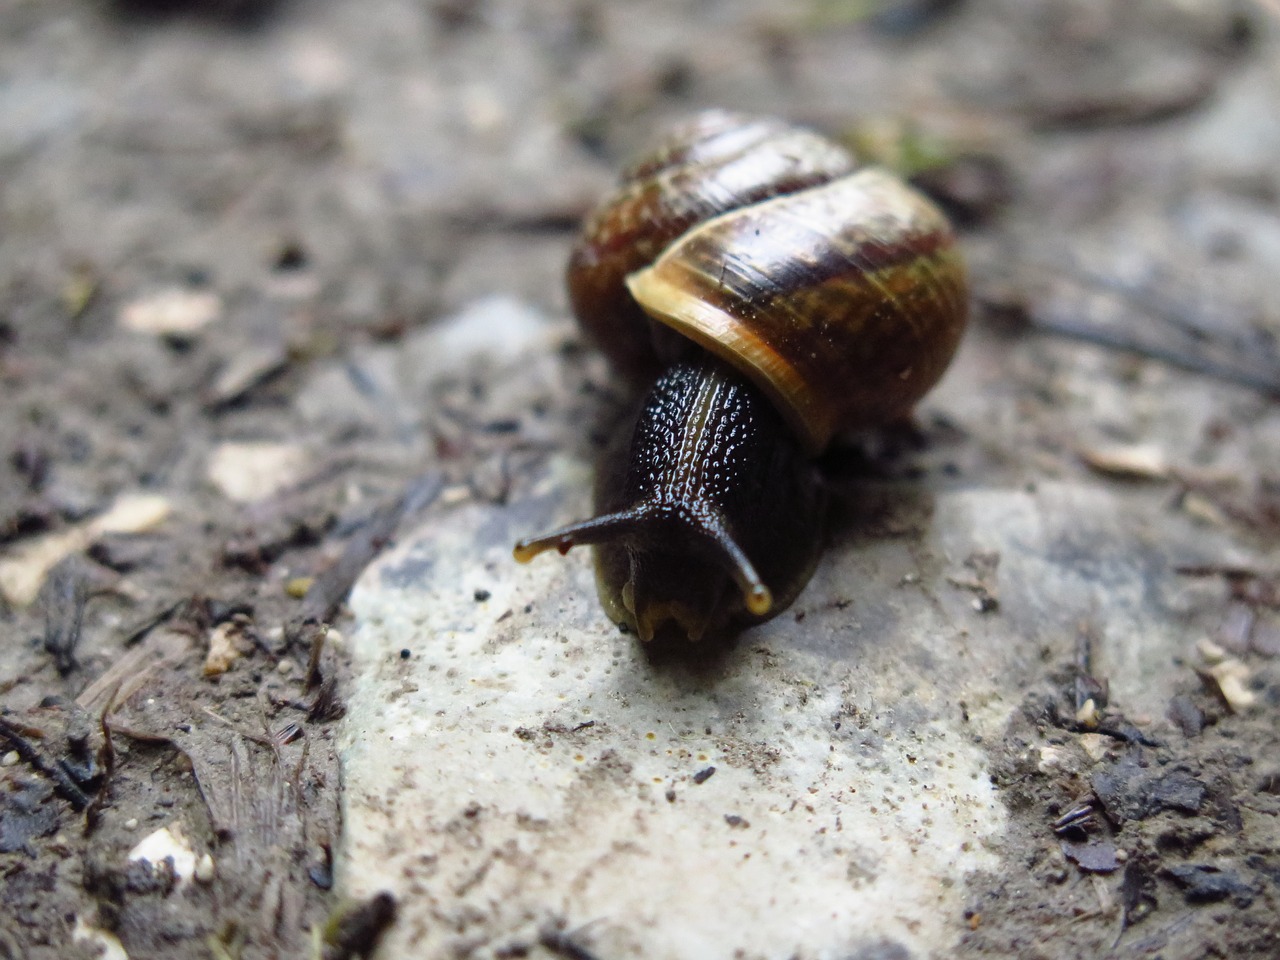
[[224, 648], [297, 587], [455, 494], [177, 312], [1095, 745], [131, 823], [286, 667], [9, 759], [1088, 716], [1204, 510], [205, 869], [250, 471], [1131, 462]]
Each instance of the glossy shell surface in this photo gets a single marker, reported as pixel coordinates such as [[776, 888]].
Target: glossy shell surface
[[844, 302], [715, 163]]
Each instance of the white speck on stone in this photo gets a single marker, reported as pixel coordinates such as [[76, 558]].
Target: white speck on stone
[[167, 842], [483, 108], [1133, 462], [131, 823], [1204, 510], [455, 494], [174, 312], [247, 472], [9, 759]]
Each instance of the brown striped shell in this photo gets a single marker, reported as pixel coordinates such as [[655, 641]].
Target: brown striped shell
[[840, 293]]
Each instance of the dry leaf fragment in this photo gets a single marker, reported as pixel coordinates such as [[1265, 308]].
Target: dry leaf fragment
[[1130, 462], [23, 572], [1232, 677]]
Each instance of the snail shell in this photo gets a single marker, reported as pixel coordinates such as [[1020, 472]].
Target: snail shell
[[713, 164], [790, 298]]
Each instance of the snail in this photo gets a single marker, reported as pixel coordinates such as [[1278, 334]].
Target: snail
[[782, 297]]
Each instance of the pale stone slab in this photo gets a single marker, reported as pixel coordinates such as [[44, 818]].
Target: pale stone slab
[[528, 763], [512, 761]]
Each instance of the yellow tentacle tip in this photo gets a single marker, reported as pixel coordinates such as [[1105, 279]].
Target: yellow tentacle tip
[[759, 600], [526, 550]]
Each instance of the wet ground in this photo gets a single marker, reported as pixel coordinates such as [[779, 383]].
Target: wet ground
[[227, 231]]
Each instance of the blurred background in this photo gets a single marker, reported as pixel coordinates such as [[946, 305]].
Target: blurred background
[[405, 157]]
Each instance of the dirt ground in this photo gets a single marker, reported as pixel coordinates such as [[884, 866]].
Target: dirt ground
[[208, 209]]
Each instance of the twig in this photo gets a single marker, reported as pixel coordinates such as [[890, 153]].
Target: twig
[[29, 752], [109, 763], [266, 741], [1071, 325]]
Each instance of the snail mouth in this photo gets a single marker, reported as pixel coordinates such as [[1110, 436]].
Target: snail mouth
[[694, 592], [650, 617]]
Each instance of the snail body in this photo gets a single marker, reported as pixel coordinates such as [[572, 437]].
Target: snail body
[[790, 298]]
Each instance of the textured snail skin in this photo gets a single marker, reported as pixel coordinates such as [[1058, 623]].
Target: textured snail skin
[[710, 464], [790, 299]]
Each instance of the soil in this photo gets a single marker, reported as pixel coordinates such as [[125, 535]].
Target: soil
[[305, 180]]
